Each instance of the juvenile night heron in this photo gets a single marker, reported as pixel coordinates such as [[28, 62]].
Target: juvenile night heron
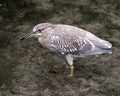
[[69, 41]]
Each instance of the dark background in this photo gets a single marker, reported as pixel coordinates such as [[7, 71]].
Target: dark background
[[28, 69]]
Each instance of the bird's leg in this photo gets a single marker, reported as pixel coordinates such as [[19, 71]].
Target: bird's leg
[[69, 59], [71, 67], [71, 70]]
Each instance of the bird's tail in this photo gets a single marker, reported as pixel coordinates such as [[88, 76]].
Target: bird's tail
[[108, 51], [98, 50]]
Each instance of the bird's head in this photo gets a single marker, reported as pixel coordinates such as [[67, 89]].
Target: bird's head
[[37, 30]]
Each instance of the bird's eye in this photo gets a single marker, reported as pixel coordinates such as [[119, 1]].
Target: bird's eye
[[39, 30]]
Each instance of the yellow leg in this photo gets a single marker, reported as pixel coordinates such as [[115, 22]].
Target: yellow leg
[[71, 70]]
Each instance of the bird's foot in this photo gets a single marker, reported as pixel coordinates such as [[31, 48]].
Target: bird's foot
[[71, 75], [71, 67]]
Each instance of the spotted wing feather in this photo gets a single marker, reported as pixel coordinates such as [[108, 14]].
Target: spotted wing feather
[[69, 44], [98, 42]]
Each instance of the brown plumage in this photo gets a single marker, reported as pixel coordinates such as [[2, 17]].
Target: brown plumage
[[69, 41]]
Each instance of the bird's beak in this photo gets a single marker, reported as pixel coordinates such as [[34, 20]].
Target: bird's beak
[[27, 35]]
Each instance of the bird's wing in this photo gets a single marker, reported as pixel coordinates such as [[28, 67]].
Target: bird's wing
[[98, 42], [71, 30], [69, 44]]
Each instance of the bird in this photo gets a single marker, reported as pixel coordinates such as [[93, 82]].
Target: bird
[[70, 41]]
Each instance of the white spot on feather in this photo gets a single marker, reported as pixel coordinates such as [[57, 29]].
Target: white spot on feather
[[107, 45], [55, 37], [65, 45], [101, 41], [75, 49], [84, 41], [71, 50], [81, 47]]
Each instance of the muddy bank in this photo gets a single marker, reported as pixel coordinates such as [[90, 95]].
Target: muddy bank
[[28, 69]]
